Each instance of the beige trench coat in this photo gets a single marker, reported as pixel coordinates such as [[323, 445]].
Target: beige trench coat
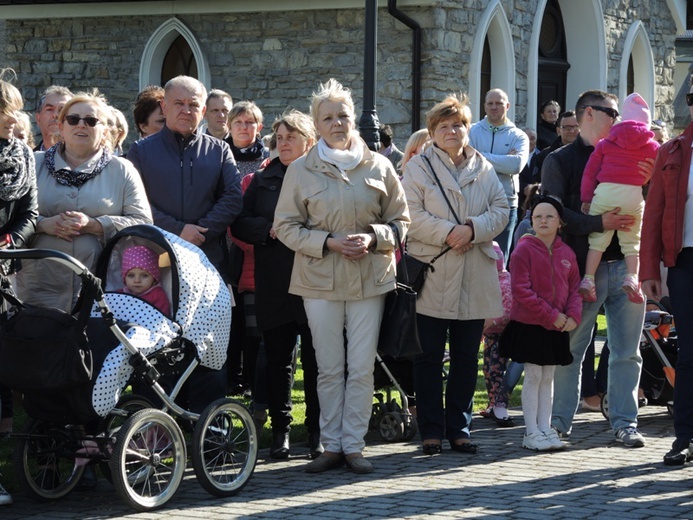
[[316, 201], [462, 287]]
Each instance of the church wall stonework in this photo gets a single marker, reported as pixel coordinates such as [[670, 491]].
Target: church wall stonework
[[278, 60]]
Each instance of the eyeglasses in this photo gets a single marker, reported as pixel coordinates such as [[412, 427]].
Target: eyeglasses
[[549, 218], [689, 99], [73, 120], [570, 128], [611, 112]]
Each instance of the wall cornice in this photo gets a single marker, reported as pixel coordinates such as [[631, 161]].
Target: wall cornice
[[183, 7]]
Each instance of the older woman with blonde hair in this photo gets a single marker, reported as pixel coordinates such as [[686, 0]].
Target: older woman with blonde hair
[[280, 315], [457, 204], [85, 195], [337, 209]]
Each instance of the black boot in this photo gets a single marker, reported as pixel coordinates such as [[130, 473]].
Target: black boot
[[314, 445], [279, 448]]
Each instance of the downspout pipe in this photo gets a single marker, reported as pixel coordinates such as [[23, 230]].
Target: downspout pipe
[[415, 62]]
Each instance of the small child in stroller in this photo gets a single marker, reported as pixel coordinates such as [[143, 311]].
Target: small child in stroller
[[141, 276]]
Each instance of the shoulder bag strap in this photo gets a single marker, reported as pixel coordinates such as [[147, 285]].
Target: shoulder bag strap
[[441, 188]]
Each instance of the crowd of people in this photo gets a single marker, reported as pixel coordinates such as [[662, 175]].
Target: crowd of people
[[534, 232]]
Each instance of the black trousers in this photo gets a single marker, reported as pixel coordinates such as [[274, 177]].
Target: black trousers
[[280, 343]]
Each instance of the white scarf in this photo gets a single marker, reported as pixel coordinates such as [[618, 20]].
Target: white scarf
[[345, 160]]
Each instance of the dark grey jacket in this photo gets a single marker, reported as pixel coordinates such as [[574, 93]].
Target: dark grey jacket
[[190, 181]]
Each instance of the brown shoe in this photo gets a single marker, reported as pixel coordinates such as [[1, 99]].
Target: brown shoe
[[358, 464], [327, 460]]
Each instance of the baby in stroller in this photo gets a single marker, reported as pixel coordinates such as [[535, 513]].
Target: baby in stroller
[[114, 339], [142, 277]]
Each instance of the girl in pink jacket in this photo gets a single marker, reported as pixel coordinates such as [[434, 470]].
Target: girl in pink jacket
[[546, 306], [611, 180]]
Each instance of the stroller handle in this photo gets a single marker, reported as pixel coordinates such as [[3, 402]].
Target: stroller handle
[[40, 254], [56, 256]]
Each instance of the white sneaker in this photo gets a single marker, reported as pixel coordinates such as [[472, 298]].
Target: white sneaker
[[536, 441], [552, 436], [5, 497]]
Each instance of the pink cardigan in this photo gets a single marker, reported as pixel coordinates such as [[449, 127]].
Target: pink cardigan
[[544, 283]]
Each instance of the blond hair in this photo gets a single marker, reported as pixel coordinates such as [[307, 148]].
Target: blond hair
[[418, 138], [332, 90]]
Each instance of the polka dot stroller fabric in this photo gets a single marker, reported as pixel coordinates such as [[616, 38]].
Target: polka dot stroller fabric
[[200, 305]]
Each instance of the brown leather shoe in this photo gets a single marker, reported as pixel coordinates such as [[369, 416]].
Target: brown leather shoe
[[358, 464], [327, 460]]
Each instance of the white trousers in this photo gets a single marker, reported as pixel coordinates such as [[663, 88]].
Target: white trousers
[[345, 404]]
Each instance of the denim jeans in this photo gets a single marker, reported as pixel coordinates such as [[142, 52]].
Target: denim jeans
[[505, 239], [512, 375], [680, 284], [455, 420], [624, 321]]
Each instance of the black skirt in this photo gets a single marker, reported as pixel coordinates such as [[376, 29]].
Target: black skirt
[[525, 343]]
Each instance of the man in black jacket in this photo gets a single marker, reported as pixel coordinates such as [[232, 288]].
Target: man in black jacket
[[562, 173]]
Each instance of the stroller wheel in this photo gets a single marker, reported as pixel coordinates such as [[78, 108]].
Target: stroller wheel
[[391, 427], [604, 405], [376, 413], [44, 459], [148, 460], [411, 429], [224, 447], [111, 424]]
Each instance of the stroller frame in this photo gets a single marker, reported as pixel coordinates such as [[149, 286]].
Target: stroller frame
[[393, 422], [141, 449], [651, 340]]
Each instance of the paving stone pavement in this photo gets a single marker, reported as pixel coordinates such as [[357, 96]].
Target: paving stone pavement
[[595, 477]]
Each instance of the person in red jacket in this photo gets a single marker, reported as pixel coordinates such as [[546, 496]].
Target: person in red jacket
[[544, 278], [667, 237]]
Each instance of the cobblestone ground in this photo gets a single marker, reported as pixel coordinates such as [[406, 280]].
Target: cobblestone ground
[[594, 478]]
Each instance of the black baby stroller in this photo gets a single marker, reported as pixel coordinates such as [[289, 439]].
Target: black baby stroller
[[659, 353], [390, 418], [73, 369]]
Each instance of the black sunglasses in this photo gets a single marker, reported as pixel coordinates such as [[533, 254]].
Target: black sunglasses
[[689, 99], [73, 120], [611, 112]]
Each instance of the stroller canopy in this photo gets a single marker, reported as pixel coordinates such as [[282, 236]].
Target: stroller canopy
[[200, 300]]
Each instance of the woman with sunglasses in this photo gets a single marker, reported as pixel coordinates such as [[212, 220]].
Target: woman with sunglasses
[[85, 195]]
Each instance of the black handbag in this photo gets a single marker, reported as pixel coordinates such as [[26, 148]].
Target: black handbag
[[413, 272], [399, 335], [43, 350]]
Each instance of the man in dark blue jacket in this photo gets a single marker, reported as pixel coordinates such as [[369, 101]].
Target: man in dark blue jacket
[[194, 190]]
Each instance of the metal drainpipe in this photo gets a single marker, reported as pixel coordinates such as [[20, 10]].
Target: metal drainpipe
[[415, 62]]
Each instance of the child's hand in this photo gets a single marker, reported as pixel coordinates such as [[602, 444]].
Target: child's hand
[[570, 324], [560, 321], [585, 208]]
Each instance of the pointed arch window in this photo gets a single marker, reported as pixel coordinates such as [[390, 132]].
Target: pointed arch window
[[179, 60], [173, 49], [485, 72]]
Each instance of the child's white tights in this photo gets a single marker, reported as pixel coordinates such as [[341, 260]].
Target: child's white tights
[[537, 397]]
